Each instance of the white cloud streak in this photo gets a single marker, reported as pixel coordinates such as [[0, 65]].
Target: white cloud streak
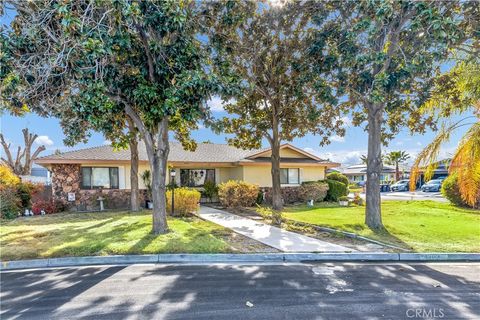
[[216, 104], [44, 140]]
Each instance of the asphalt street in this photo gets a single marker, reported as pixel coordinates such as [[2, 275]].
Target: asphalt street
[[282, 291]]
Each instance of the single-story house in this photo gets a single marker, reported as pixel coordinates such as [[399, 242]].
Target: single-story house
[[358, 173], [77, 176]]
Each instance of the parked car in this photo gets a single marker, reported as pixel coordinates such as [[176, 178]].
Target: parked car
[[401, 185], [432, 186]]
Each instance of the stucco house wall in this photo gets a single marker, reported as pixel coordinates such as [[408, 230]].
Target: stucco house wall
[[228, 162]]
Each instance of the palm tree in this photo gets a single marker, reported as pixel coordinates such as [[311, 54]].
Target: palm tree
[[457, 92], [394, 158], [363, 158]]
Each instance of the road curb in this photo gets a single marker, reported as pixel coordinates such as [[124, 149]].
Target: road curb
[[238, 258], [347, 234]]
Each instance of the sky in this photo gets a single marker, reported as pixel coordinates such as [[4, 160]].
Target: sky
[[346, 150]]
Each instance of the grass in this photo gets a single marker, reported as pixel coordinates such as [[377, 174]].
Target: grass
[[86, 234], [355, 189], [424, 226]]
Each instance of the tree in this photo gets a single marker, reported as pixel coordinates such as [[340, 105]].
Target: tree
[[394, 158], [22, 164], [456, 92], [388, 53], [104, 60], [75, 130], [260, 50], [363, 159]]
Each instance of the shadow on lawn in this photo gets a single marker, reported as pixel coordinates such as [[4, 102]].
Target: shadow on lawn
[[384, 235], [341, 291], [80, 240], [70, 217]]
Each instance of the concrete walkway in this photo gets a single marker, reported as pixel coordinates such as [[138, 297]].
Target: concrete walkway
[[272, 236]]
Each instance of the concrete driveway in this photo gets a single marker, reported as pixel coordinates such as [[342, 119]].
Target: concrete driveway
[[278, 291]]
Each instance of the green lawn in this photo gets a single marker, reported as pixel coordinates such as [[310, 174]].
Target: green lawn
[[83, 234], [355, 189], [424, 226]]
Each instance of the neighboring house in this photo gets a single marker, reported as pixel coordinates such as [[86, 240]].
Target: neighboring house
[[80, 174], [358, 173], [440, 172], [38, 175]]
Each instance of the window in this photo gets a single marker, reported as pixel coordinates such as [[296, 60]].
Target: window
[[290, 176], [94, 178], [196, 177]]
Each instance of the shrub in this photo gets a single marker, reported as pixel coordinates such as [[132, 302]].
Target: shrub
[[451, 191], [147, 182], [186, 201], [337, 176], [289, 194], [48, 206], [357, 199], [336, 189], [10, 203], [24, 191], [237, 194], [270, 214], [210, 189], [316, 191], [260, 197], [7, 177]]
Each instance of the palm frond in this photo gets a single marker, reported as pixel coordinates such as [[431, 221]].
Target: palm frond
[[466, 164], [427, 158]]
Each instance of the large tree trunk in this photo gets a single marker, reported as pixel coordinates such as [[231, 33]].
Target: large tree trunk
[[277, 201], [134, 201], [157, 151], [158, 155], [373, 217]]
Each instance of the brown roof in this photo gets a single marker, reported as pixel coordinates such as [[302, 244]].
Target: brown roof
[[205, 152]]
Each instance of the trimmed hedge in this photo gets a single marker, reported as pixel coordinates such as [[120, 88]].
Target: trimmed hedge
[[186, 201], [336, 189], [316, 191], [337, 176], [233, 194]]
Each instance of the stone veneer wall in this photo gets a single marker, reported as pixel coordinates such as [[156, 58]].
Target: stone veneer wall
[[66, 178]]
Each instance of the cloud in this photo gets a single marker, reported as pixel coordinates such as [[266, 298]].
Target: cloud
[[44, 140], [216, 104], [107, 142], [337, 138]]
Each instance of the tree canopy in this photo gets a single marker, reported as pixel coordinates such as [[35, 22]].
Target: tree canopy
[[389, 54], [260, 51], [100, 61]]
